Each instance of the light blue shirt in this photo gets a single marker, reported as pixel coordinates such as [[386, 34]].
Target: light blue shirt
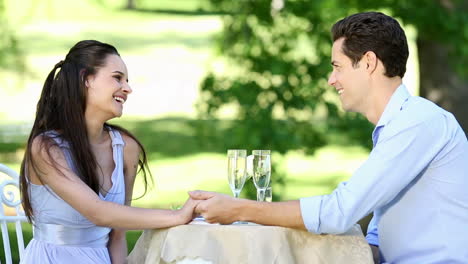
[[416, 182]]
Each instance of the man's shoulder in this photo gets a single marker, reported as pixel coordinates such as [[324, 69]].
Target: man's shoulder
[[420, 112], [422, 109]]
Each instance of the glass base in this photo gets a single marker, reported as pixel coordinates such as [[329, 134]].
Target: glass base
[[240, 223]]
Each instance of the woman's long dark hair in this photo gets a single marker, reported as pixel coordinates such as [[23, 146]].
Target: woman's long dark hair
[[61, 108]]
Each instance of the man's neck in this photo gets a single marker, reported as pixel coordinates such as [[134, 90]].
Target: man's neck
[[383, 91]]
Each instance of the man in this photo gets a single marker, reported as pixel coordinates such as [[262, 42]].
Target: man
[[416, 177]]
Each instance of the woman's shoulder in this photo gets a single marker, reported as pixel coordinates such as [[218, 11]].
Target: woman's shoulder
[[130, 143], [48, 138], [131, 155]]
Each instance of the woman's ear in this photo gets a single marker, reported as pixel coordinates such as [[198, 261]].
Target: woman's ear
[[86, 78]]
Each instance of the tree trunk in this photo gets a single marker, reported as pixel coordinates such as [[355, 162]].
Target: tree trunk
[[440, 83], [131, 4]]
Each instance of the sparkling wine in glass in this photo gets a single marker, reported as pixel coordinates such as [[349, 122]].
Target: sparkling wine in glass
[[261, 171], [237, 170]]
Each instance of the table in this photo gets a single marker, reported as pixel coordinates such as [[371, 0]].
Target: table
[[247, 243]]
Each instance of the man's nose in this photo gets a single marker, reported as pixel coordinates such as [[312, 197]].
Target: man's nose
[[332, 79]]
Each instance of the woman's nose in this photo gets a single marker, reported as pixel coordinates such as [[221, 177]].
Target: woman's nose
[[126, 88]]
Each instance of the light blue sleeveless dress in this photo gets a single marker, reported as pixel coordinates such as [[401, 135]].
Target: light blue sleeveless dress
[[60, 233]]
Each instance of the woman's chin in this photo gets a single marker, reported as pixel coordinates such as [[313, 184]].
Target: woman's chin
[[115, 114]]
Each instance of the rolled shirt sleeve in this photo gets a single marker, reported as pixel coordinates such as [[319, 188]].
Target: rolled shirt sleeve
[[308, 206], [403, 152]]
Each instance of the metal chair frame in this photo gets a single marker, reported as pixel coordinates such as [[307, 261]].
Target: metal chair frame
[[11, 198]]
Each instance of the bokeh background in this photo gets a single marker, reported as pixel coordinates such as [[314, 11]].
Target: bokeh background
[[209, 75]]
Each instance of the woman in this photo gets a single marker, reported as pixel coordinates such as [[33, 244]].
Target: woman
[[78, 171]]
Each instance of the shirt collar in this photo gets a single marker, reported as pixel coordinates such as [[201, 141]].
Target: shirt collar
[[395, 105]]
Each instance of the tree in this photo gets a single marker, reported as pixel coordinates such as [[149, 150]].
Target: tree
[[131, 4], [278, 58]]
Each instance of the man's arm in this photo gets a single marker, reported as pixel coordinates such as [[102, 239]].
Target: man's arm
[[374, 184], [220, 208]]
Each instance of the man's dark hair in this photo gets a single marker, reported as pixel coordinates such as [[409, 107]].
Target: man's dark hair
[[377, 32]]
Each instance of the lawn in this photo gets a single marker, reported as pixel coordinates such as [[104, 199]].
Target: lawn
[[182, 164]]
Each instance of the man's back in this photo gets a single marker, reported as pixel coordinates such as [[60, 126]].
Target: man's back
[[427, 221]]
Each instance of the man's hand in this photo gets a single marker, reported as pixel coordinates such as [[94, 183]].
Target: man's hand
[[216, 207], [224, 209]]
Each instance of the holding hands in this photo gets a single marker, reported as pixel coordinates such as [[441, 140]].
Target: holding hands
[[224, 209], [187, 212], [216, 207]]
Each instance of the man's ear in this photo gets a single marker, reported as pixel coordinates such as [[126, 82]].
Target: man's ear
[[371, 61]]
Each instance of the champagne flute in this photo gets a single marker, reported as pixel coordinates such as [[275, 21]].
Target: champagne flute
[[236, 170], [261, 171], [249, 167], [268, 194]]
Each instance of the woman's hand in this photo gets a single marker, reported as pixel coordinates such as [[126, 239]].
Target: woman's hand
[[187, 212], [216, 207]]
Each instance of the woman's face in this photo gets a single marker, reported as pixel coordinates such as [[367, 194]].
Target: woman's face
[[108, 90]]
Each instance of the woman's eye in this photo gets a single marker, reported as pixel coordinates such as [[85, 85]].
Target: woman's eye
[[118, 77]]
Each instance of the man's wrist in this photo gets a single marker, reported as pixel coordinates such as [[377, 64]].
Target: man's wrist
[[241, 209]]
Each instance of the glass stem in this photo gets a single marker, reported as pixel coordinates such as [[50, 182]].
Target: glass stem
[[260, 195]]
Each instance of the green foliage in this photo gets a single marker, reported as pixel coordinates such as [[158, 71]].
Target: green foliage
[[278, 61], [278, 57], [11, 56], [445, 22]]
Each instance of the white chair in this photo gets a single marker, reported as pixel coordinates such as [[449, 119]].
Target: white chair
[[9, 188]]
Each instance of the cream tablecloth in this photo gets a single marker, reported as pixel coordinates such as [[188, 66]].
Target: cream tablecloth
[[248, 243]]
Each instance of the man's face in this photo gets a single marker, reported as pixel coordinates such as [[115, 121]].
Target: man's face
[[348, 80]]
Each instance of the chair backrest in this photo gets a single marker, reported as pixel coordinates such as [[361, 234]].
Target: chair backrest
[[9, 188]]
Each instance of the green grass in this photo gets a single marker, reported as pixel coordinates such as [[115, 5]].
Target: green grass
[[174, 176], [183, 156], [167, 55], [181, 161]]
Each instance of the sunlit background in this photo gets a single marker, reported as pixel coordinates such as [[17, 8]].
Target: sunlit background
[[168, 52], [169, 47]]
